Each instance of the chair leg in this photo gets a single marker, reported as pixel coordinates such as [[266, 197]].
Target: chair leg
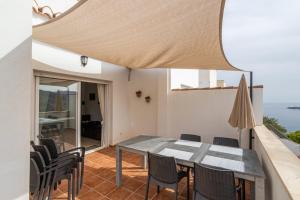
[[147, 189], [243, 190], [195, 195], [73, 185], [158, 189], [69, 188], [78, 179], [176, 192], [82, 173], [64, 148], [51, 189]]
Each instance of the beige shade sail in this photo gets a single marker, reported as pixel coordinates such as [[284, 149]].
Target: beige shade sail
[[142, 33], [242, 115]]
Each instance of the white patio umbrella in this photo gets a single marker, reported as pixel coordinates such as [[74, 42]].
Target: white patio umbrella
[[242, 116]]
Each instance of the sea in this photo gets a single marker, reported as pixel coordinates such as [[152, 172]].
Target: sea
[[289, 118]]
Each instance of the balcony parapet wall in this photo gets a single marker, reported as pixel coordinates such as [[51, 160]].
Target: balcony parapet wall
[[281, 166]]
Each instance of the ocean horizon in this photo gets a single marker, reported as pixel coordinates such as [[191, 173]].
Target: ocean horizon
[[289, 118]]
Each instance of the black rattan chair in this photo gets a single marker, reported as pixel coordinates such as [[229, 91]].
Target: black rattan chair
[[65, 168], [163, 172], [190, 137], [213, 183], [65, 171], [35, 182], [229, 142], [50, 144], [41, 177]]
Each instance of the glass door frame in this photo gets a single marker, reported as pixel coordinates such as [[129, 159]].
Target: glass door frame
[[37, 110], [107, 130], [78, 115]]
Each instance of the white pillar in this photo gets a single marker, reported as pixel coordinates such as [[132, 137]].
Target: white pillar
[[207, 78]]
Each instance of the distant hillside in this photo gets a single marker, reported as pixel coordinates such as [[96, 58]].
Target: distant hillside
[[48, 100]]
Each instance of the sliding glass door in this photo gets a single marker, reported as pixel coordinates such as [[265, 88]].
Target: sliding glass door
[[73, 113], [58, 111], [92, 109]]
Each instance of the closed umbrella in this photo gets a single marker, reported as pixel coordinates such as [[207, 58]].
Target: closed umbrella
[[242, 115]]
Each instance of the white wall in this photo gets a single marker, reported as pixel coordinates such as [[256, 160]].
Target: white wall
[[143, 115], [15, 24], [281, 166], [15, 98], [184, 77], [15, 121], [203, 112], [207, 78], [71, 61]]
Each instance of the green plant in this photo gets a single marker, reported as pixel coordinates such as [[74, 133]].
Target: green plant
[[294, 136], [273, 123]]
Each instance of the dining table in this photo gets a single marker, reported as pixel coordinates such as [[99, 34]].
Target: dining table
[[243, 162]]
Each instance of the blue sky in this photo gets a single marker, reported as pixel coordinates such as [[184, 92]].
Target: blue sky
[[264, 36]]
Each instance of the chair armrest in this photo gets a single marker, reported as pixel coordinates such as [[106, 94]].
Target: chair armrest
[[77, 154], [66, 158], [81, 149], [57, 165]]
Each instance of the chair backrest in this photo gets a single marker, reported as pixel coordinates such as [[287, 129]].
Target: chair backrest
[[35, 180], [162, 168], [230, 142], [51, 146], [43, 150], [190, 137], [213, 183], [38, 158]]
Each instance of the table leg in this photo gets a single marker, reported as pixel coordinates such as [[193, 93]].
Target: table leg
[[145, 161], [118, 166], [243, 189], [258, 189]]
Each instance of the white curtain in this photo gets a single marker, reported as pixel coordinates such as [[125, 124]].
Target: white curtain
[[101, 97]]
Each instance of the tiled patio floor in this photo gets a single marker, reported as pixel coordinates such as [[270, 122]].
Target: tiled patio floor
[[99, 180]]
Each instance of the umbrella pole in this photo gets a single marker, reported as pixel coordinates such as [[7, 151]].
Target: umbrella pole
[[251, 97], [240, 136]]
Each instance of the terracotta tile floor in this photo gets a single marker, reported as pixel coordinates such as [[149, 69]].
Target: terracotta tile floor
[[99, 180]]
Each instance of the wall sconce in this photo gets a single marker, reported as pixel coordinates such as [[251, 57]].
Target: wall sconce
[[84, 60], [138, 93], [148, 99]]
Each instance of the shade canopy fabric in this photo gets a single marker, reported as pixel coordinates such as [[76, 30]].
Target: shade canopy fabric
[[242, 115], [142, 33]]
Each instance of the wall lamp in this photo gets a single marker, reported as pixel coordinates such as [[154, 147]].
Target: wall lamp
[[84, 60]]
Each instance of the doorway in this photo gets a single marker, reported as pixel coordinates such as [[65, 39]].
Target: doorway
[[57, 111], [72, 112], [92, 114]]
